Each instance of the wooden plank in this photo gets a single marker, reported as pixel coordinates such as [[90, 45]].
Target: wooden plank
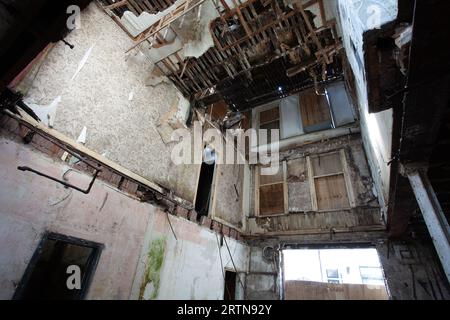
[[269, 115], [271, 199], [285, 187], [331, 192], [312, 186], [348, 180], [314, 108]]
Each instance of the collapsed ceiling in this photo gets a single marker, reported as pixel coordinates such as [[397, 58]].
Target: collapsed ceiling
[[263, 50]]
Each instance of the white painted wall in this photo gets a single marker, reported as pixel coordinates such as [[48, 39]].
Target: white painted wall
[[356, 17], [191, 269]]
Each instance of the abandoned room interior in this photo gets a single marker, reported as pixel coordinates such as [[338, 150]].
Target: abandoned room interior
[[128, 130]]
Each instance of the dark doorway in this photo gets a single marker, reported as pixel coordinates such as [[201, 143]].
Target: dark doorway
[[230, 286], [46, 277], [204, 189]]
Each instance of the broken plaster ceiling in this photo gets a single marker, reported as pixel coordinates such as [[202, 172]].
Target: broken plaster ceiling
[[189, 35], [203, 52]]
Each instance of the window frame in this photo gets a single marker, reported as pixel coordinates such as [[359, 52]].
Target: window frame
[[91, 267], [344, 173], [285, 192]]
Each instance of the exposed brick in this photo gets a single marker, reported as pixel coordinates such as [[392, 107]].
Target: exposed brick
[[216, 226], [193, 216], [206, 222], [226, 230], [115, 179], [105, 174], [233, 233], [182, 212]]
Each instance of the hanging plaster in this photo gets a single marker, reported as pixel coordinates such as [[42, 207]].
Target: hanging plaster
[[46, 113]]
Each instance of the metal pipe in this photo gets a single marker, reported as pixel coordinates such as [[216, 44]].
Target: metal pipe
[[87, 191]]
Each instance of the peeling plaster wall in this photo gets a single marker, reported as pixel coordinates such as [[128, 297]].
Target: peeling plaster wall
[[229, 195], [301, 217], [141, 257], [31, 205], [111, 97], [191, 266], [355, 18]]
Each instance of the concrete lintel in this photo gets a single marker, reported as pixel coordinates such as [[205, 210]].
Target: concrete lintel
[[433, 215]]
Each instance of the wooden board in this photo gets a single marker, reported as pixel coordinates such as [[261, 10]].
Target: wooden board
[[314, 108], [306, 290], [331, 192], [271, 199], [326, 164], [269, 115]]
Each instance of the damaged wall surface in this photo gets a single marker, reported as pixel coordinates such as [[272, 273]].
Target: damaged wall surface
[[376, 128], [302, 218], [190, 266], [31, 205], [141, 258], [98, 87]]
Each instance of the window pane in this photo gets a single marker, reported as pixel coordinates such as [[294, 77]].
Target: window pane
[[340, 104], [290, 115]]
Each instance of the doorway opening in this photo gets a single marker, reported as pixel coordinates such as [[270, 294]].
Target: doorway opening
[[333, 274], [203, 198], [60, 269], [230, 286]]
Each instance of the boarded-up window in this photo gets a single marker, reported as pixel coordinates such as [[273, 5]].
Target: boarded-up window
[[270, 120], [315, 111], [328, 182], [272, 192]]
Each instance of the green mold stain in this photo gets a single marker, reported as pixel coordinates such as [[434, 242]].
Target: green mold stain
[[155, 261]]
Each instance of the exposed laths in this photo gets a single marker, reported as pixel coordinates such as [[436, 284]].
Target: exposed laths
[[137, 6]]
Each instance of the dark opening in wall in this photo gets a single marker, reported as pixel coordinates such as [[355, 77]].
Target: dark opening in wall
[[230, 286], [60, 269], [203, 198]]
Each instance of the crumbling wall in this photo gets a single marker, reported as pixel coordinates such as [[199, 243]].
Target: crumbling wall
[[31, 205], [376, 128], [262, 282], [365, 214], [228, 195], [97, 86], [413, 270], [141, 258]]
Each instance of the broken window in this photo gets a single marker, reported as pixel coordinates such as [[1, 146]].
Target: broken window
[[329, 183], [61, 268], [272, 192]]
